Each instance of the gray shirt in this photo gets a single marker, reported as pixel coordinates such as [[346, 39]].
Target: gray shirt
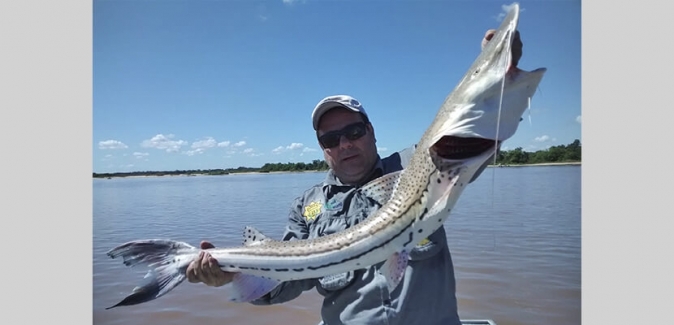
[[426, 295]]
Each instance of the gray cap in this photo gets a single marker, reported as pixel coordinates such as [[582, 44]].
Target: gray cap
[[331, 102]]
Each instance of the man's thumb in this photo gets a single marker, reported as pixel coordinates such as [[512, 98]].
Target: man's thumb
[[206, 245]]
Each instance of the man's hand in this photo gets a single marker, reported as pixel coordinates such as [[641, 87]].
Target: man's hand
[[516, 49], [206, 270]]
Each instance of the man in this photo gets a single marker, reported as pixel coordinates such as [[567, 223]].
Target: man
[[426, 295]]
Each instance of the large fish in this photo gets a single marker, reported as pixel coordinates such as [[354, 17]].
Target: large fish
[[482, 111]]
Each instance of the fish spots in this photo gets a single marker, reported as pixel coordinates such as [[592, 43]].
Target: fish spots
[[411, 237], [357, 256], [298, 270], [420, 230], [281, 270], [439, 181], [423, 214]]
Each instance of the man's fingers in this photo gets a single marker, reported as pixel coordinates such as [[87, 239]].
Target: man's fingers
[[488, 36], [213, 265], [194, 274], [205, 269]]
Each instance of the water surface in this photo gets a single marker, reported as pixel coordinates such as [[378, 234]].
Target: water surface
[[514, 237]]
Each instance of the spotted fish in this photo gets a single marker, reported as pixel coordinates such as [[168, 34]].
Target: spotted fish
[[481, 112]]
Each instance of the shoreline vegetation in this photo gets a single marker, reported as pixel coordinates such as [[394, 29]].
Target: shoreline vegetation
[[562, 155]]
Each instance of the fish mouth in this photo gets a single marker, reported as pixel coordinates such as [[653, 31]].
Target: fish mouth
[[458, 148]]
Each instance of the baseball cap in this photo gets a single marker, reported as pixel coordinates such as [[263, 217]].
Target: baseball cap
[[331, 102]]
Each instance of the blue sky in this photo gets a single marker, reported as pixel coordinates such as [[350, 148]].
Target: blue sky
[[220, 84]]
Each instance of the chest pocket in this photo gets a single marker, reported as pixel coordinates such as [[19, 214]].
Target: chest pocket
[[430, 246], [341, 211]]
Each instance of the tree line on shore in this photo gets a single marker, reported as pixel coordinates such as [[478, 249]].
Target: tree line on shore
[[555, 154]]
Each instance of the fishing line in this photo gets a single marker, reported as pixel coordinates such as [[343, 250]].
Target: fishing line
[[500, 104]]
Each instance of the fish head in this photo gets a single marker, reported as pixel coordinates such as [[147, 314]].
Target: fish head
[[487, 105]]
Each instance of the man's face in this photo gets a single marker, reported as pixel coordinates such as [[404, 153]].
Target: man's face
[[351, 160]]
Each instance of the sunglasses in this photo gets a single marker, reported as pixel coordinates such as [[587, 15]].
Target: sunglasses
[[352, 132]]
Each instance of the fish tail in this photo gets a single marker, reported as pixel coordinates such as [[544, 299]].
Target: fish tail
[[167, 260]]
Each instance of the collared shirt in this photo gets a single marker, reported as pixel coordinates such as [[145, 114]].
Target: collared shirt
[[427, 293]]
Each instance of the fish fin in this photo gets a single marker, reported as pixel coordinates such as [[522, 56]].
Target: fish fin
[[440, 195], [252, 236], [246, 287], [168, 261], [394, 269], [148, 252], [380, 189], [162, 280]]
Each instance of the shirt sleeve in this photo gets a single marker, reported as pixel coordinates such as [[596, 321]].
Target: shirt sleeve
[[406, 155], [296, 228]]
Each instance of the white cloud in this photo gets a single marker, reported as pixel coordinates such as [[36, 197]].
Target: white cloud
[[291, 2], [140, 155], [240, 144], [164, 142], [194, 152], [578, 119], [223, 144], [251, 152], [206, 143], [542, 138], [201, 146], [111, 144], [294, 146], [382, 149]]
